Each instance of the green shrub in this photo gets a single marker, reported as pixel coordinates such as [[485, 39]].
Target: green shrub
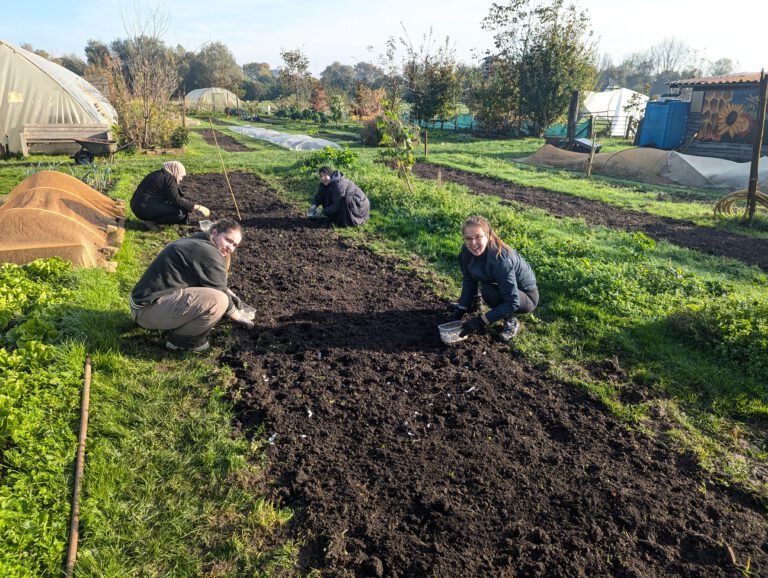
[[342, 158], [372, 133], [160, 125], [180, 137]]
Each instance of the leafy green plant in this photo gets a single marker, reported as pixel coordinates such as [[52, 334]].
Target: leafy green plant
[[342, 158], [96, 175], [39, 387], [399, 141]]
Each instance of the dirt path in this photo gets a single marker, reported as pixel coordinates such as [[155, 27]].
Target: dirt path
[[404, 457], [677, 232]]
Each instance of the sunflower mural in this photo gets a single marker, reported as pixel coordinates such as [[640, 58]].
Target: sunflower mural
[[728, 116]]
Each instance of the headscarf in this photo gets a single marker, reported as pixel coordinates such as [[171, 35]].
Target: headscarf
[[176, 169]]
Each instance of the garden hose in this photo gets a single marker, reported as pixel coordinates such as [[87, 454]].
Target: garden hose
[[725, 206]]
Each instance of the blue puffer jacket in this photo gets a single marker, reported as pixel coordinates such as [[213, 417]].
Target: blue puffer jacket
[[509, 271]]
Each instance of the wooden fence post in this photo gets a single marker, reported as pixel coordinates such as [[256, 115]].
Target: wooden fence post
[[757, 145]]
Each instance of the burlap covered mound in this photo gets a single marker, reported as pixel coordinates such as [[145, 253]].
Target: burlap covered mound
[[50, 214]]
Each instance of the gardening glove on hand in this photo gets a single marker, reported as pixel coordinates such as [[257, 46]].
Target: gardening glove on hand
[[242, 319], [474, 325], [236, 301], [204, 211], [457, 312], [312, 213]]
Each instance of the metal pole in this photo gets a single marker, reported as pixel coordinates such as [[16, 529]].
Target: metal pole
[[80, 464]]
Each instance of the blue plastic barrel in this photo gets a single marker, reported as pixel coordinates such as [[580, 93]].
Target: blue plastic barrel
[[664, 124]]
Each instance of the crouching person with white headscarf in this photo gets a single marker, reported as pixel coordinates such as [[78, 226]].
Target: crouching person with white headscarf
[[159, 200]]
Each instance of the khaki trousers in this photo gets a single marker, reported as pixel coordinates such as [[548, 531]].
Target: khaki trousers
[[187, 314]]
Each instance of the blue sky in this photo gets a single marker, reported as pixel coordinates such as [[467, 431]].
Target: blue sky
[[356, 30]]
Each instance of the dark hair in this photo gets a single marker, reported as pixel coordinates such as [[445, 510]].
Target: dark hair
[[224, 225], [493, 239], [325, 171]]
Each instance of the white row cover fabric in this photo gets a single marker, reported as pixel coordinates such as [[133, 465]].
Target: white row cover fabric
[[34, 90], [297, 142], [211, 100], [711, 173], [610, 105]]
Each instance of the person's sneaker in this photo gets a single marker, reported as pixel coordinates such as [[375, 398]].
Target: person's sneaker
[[194, 349], [151, 226], [511, 328]]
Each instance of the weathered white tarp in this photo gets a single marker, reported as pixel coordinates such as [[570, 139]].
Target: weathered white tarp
[[297, 142], [616, 105]]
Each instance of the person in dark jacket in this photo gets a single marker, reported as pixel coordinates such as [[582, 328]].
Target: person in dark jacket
[[505, 281], [184, 290], [341, 200], [159, 200]]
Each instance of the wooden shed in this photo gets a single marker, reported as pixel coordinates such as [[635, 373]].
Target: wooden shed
[[722, 117]]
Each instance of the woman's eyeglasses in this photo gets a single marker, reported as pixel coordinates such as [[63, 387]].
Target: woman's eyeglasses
[[477, 238]]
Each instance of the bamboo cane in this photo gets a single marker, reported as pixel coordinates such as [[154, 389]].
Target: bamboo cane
[[80, 464]]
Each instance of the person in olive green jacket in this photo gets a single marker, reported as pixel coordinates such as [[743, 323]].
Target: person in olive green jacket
[[184, 290]]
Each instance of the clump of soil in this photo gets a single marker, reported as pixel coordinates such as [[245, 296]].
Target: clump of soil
[[402, 456], [678, 232]]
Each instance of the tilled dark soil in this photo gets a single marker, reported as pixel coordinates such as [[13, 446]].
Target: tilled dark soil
[[676, 231], [225, 142], [402, 456]]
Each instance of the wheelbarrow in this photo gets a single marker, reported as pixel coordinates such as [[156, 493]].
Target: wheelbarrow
[[96, 147]]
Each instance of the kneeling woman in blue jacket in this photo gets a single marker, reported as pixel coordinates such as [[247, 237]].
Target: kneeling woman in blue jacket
[[506, 281]]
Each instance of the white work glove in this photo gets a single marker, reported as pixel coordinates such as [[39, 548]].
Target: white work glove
[[204, 211], [312, 213]]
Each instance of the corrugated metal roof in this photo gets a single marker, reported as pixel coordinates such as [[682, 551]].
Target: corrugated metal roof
[[740, 78]]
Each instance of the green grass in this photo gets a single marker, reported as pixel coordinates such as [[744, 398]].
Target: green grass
[[168, 490]]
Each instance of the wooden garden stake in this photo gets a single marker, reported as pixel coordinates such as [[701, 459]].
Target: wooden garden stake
[[74, 532], [592, 147], [757, 146], [426, 140]]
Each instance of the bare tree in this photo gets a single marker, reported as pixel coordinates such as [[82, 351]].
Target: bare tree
[[671, 55], [147, 66]]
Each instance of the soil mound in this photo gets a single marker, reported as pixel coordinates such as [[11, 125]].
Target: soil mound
[[402, 456]]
